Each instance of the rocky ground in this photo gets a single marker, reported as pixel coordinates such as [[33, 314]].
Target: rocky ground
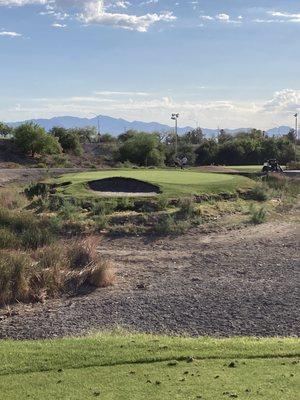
[[238, 282]]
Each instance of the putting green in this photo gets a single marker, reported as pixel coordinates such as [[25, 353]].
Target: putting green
[[172, 183]]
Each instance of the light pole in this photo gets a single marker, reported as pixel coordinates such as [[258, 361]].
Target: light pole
[[98, 125], [175, 118], [296, 135]]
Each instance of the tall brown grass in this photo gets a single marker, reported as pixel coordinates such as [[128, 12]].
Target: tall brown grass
[[61, 268]]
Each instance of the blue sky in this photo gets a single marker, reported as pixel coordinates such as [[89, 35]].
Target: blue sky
[[227, 63]]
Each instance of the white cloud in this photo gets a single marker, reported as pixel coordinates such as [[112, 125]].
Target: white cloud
[[284, 101], [223, 17], [10, 34], [57, 25], [114, 93], [279, 17], [95, 12], [126, 21], [21, 2]]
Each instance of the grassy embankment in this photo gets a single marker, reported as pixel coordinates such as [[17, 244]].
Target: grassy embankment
[[118, 366]]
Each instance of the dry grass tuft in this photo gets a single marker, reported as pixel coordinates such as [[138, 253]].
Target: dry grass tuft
[[12, 199], [101, 275]]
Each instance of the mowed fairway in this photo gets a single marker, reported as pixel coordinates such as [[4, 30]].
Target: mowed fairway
[[173, 183], [136, 367]]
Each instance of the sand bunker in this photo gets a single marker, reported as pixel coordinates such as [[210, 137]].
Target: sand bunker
[[124, 187]]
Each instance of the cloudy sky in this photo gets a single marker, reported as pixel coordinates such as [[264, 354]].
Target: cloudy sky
[[227, 63]]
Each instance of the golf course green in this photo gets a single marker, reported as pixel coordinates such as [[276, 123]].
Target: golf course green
[[172, 183], [134, 366]]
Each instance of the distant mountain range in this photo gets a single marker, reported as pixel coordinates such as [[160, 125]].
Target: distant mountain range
[[115, 126]]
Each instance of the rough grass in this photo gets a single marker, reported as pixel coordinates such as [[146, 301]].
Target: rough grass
[[173, 183], [134, 367], [51, 271]]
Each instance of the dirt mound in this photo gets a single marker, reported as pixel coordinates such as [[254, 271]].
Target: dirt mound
[[123, 185]]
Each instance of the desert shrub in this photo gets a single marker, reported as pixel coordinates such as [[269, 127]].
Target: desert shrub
[[100, 222], [169, 226], [46, 283], [8, 240], [186, 207], [104, 207], [56, 202], [68, 211], [100, 275], [41, 165], [41, 204], [258, 193], [13, 284], [124, 204], [11, 199], [37, 237], [81, 253], [37, 189], [52, 256], [257, 215], [162, 202]]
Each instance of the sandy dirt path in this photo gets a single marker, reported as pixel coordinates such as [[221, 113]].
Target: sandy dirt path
[[240, 282]]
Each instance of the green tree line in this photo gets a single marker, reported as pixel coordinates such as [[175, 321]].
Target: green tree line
[[156, 149]]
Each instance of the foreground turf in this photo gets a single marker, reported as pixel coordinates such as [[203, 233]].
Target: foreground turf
[[135, 367], [173, 183]]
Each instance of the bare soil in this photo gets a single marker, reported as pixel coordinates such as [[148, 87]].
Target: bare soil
[[226, 283], [26, 175]]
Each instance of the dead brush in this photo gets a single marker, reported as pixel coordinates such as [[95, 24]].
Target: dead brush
[[82, 253], [100, 274], [46, 283]]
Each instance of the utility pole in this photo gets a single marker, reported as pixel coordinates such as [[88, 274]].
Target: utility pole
[[175, 118], [296, 135]]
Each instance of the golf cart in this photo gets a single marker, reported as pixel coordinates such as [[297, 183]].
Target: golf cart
[[271, 165]]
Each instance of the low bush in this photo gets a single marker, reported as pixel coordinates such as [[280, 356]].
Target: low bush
[[37, 189], [8, 240], [82, 253], [104, 207], [125, 204], [257, 193], [257, 215], [186, 207], [101, 274], [162, 203], [169, 226], [11, 199], [101, 222], [68, 211], [37, 237], [13, 283]]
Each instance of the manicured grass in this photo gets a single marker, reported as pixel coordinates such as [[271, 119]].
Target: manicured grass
[[135, 367], [173, 183]]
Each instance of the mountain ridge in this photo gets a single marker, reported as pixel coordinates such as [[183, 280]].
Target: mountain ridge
[[116, 126]]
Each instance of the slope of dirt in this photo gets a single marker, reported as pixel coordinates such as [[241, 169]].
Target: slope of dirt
[[27, 175], [241, 282]]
